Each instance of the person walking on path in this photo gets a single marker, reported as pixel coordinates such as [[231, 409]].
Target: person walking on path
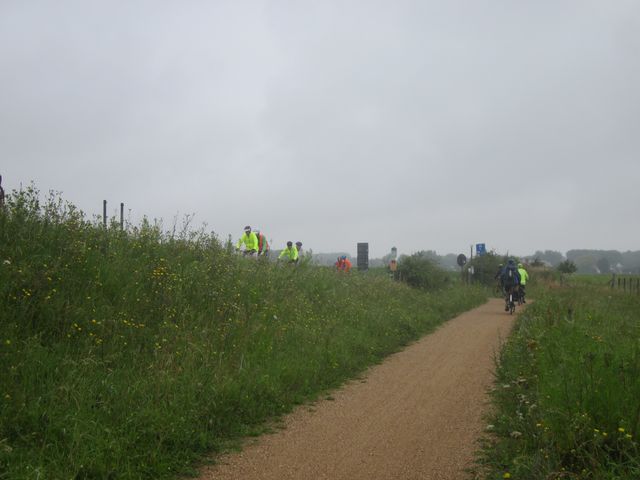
[[291, 253], [249, 240]]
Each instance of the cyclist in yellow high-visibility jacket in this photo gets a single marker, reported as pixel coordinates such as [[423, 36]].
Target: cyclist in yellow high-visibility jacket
[[249, 240], [290, 252], [524, 277]]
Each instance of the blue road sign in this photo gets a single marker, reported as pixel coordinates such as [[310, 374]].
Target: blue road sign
[[480, 249]]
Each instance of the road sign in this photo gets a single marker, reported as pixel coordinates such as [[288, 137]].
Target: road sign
[[480, 249], [462, 259], [363, 256]]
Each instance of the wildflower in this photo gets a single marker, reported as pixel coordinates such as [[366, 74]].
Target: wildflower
[[621, 430], [627, 435], [8, 342], [506, 475], [7, 262]]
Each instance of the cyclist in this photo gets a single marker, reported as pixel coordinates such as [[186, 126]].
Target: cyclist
[[343, 264], [263, 245], [510, 281], [299, 249], [290, 252], [249, 240], [524, 278]]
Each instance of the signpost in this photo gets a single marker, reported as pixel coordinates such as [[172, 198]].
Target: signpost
[[480, 249], [363, 256], [462, 261]]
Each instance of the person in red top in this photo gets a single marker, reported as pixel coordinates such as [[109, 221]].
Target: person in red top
[[263, 245], [343, 264]]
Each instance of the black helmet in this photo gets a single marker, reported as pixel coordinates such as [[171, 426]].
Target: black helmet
[[289, 243]]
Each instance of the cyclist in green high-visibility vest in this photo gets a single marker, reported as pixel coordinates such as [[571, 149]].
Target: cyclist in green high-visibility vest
[[291, 253], [524, 277], [249, 240]]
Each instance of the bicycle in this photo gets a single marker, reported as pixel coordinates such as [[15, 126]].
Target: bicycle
[[510, 304], [520, 295], [247, 253]]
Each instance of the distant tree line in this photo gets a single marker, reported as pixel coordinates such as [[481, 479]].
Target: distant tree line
[[592, 261], [585, 261]]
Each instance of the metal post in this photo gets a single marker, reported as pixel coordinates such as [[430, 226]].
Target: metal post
[[121, 216], [104, 213]]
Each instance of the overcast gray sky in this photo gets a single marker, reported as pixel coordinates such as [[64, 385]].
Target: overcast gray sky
[[417, 124]]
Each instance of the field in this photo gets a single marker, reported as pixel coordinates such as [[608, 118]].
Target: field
[[136, 354], [568, 383]]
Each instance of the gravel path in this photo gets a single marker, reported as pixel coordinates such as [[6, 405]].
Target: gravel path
[[418, 415]]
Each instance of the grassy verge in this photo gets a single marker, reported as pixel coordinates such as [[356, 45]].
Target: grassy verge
[[134, 355], [568, 387]]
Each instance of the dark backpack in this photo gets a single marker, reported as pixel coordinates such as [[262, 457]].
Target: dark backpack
[[510, 277]]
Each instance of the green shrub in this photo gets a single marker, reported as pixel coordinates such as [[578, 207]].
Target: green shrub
[[485, 268], [421, 271]]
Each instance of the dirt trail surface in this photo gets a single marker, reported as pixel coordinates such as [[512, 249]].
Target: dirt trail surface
[[418, 415]]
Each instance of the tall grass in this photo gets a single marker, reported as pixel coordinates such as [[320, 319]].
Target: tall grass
[[128, 355], [568, 388]]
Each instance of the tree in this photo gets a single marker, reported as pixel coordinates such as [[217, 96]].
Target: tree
[[485, 267], [567, 267], [551, 256], [603, 265], [421, 271], [537, 262]]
